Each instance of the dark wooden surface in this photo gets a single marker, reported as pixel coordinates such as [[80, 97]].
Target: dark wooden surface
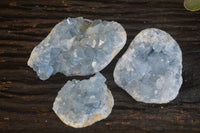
[[26, 102]]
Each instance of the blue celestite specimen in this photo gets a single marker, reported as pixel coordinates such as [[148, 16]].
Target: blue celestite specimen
[[151, 69], [77, 47], [82, 103]]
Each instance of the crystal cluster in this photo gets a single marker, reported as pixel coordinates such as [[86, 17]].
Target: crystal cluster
[[151, 69], [77, 47], [82, 103]]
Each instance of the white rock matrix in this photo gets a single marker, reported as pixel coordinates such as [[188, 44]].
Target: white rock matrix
[[151, 69], [82, 103], [77, 47]]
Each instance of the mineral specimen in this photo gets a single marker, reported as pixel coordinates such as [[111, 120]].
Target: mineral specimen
[[77, 47], [82, 103], [151, 69]]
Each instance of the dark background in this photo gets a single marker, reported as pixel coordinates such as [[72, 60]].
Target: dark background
[[26, 102]]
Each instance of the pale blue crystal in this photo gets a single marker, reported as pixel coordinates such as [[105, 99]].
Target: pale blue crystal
[[77, 47], [82, 103], [151, 69]]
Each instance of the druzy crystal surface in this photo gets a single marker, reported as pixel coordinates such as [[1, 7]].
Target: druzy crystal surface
[[77, 47], [151, 69], [82, 103]]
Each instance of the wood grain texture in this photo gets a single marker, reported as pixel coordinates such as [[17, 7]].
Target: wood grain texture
[[26, 102]]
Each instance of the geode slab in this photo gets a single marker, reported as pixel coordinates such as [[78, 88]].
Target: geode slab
[[151, 69], [77, 47], [82, 103]]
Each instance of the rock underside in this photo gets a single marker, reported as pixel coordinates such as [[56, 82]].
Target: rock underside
[[82, 103], [151, 69], [77, 47]]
